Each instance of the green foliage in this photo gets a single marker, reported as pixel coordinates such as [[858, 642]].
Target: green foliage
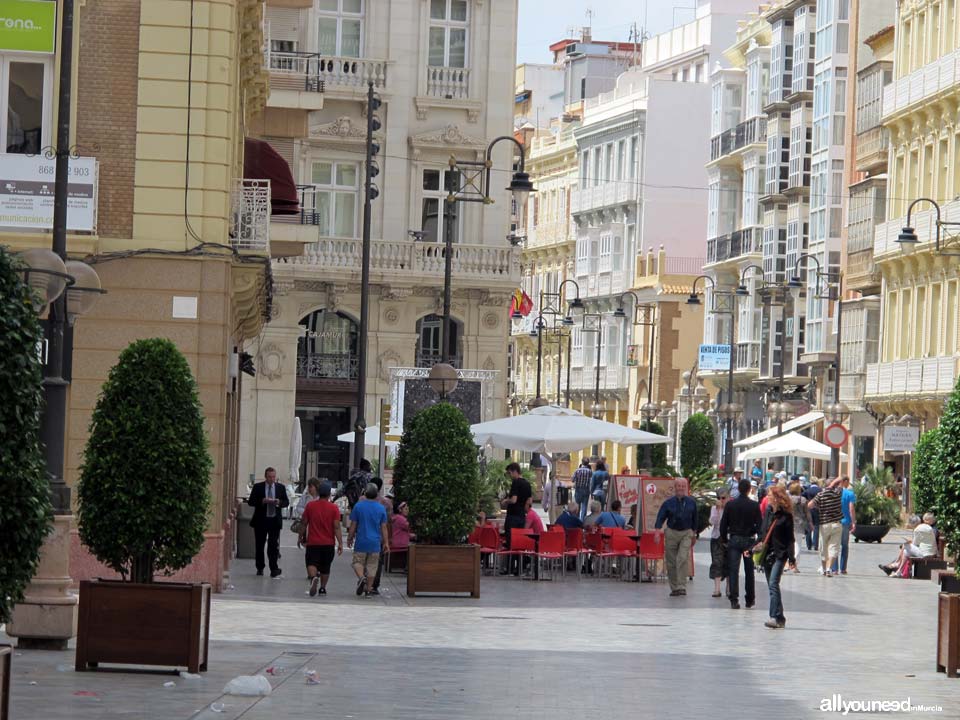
[[880, 476], [873, 507], [437, 466], [946, 470], [923, 478], [696, 444], [703, 483], [25, 512], [143, 493], [494, 483], [658, 453]]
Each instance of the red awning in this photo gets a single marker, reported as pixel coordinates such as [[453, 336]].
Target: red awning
[[262, 162]]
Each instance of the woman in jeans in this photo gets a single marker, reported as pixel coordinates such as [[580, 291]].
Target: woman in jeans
[[780, 552]]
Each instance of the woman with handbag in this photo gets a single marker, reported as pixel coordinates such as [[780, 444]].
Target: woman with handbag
[[777, 551]]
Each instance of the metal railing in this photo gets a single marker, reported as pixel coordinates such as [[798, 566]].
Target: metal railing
[[429, 358], [251, 215], [746, 241], [328, 366], [746, 133]]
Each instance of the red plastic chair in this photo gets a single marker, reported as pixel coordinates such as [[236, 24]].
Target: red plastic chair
[[552, 549], [592, 545], [488, 538], [651, 549], [621, 547], [573, 547], [522, 544]]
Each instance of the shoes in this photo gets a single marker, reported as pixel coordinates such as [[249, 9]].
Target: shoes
[[828, 573], [259, 572], [314, 584], [276, 575], [675, 593], [820, 570], [361, 586], [734, 604], [886, 569], [751, 603], [715, 595], [375, 591], [323, 591], [843, 572], [683, 591], [367, 595], [775, 624]]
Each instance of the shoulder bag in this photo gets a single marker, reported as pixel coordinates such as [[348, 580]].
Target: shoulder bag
[[760, 551]]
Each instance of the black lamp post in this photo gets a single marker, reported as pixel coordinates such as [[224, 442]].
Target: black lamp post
[[644, 316], [575, 308], [908, 240], [539, 325]]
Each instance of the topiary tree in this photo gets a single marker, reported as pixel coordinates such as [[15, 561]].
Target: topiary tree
[[439, 474], [25, 512], [658, 453], [923, 478], [143, 493], [696, 444], [946, 466]]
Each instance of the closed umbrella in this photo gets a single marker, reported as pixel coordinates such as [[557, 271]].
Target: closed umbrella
[[296, 447], [552, 429]]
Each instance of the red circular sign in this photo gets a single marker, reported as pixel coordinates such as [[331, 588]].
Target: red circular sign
[[836, 435], [651, 489]]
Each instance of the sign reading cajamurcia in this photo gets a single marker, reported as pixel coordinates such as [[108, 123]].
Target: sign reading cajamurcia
[[27, 189]]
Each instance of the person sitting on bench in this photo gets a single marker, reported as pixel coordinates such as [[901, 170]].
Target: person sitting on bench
[[924, 545]]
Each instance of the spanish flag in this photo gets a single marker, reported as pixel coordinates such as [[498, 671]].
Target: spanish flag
[[522, 302]]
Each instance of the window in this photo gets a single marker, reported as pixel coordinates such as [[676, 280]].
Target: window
[[608, 163], [634, 157], [336, 189], [433, 218], [621, 160], [584, 168], [24, 104], [448, 33], [340, 27]]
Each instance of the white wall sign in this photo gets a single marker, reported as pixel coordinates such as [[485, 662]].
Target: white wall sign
[[26, 192], [714, 357], [185, 308], [900, 438]]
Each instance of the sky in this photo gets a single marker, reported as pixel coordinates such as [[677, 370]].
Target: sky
[[543, 22]]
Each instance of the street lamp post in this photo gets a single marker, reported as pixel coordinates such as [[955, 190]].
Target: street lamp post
[[539, 325], [575, 307], [593, 322], [644, 316]]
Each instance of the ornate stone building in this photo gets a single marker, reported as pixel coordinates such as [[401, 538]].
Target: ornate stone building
[[444, 71]]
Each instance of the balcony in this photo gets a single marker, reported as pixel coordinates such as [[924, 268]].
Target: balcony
[[916, 377], [250, 228], [554, 232], [871, 150], [449, 83], [852, 389], [429, 358], [604, 195], [611, 378], [409, 257], [736, 245], [921, 85], [328, 366], [748, 132], [862, 274], [300, 80]]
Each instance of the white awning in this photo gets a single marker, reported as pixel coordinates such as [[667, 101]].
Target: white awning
[[797, 424]]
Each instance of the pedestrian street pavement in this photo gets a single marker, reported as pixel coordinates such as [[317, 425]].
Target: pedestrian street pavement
[[529, 649]]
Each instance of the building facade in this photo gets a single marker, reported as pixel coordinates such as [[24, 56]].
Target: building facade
[[445, 73], [174, 223]]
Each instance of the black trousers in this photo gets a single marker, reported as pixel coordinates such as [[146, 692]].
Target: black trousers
[[269, 535], [736, 544]]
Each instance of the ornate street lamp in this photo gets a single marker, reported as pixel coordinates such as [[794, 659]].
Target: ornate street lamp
[[908, 240]]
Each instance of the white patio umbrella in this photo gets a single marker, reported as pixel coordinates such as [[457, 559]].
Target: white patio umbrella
[[790, 444], [296, 447], [552, 429], [371, 438]]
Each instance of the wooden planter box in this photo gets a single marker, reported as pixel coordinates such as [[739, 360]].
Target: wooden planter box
[[443, 569], [948, 634], [6, 658], [165, 624]]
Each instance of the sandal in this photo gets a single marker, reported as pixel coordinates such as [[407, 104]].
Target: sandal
[[716, 595]]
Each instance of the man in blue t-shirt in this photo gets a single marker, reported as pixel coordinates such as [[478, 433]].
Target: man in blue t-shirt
[[367, 535], [847, 525]]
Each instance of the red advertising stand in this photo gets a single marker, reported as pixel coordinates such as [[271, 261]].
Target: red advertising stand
[[654, 492]]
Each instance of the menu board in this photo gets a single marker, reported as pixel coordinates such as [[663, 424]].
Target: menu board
[[653, 493], [628, 490]]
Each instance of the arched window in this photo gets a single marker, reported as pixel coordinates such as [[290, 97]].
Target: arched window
[[429, 337], [328, 347]]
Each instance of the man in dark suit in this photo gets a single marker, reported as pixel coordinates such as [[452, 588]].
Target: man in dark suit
[[268, 498]]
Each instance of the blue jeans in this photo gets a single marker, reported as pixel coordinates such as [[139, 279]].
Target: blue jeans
[[813, 534], [774, 573], [844, 550], [582, 498], [736, 544]]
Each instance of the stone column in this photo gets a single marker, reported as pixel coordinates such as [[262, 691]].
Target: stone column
[[47, 617]]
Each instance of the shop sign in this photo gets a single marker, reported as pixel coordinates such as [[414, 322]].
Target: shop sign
[[714, 357], [28, 25], [27, 189], [900, 438]]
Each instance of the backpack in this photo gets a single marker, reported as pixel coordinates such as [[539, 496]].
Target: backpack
[[355, 485]]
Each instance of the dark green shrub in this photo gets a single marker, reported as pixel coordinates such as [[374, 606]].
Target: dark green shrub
[[696, 444], [946, 468], [873, 507], [439, 475], [143, 493], [658, 453], [923, 478], [25, 512]]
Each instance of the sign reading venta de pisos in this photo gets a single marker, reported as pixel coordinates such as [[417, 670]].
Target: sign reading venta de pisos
[[28, 25]]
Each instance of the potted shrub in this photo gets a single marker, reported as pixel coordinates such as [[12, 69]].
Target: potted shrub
[[142, 504], [439, 478], [696, 444], [946, 497], [25, 514], [876, 513]]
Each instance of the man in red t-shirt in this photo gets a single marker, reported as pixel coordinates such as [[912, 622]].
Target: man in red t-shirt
[[320, 531]]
